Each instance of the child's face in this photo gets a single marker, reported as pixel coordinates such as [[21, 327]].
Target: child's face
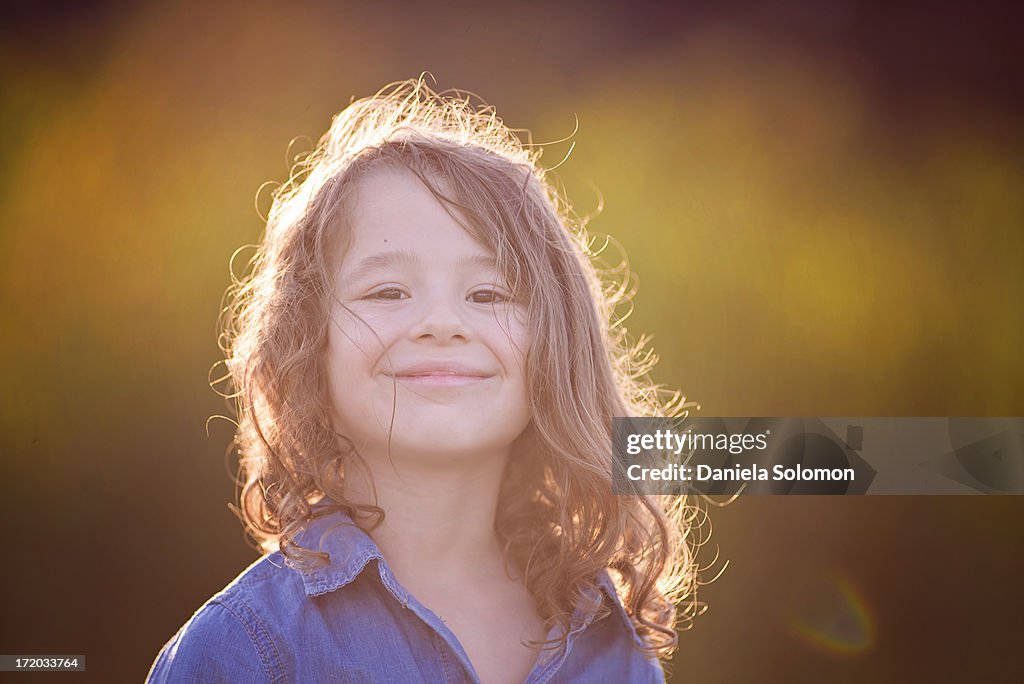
[[423, 333]]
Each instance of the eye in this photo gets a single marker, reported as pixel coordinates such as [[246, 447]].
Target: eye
[[391, 294], [488, 296]]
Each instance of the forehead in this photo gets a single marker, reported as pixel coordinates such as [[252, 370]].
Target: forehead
[[392, 209]]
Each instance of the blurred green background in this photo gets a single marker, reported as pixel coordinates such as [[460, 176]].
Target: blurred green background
[[822, 202]]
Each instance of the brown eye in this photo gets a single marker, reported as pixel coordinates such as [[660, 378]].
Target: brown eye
[[487, 296], [388, 294]]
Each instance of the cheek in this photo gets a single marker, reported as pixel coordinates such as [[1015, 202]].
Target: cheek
[[512, 335], [351, 356], [350, 370], [356, 338], [515, 346]]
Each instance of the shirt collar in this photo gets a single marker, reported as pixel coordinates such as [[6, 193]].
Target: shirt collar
[[350, 550]]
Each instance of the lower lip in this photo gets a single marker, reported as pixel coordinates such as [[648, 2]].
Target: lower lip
[[441, 380]]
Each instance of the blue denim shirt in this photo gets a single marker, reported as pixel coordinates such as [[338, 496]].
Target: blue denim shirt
[[351, 621]]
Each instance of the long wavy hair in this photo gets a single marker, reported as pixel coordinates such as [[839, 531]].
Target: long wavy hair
[[557, 516]]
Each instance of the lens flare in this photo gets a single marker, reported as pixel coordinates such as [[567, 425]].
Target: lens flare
[[834, 617]]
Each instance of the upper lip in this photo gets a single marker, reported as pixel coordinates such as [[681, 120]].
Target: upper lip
[[439, 368]]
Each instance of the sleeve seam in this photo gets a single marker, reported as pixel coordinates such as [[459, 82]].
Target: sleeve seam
[[258, 636]]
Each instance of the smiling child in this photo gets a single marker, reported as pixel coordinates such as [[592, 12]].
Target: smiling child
[[426, 369]]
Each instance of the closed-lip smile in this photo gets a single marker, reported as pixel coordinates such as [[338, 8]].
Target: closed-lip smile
[[440, 373]]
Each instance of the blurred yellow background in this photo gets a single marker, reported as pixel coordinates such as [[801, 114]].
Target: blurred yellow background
[[822, 203]]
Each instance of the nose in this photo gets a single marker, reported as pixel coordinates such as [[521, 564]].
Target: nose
[[440, 320]]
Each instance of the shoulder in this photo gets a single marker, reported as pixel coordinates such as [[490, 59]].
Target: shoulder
[[213, 646], [232, 636], [263, 625], [614, 643], [611, 651]]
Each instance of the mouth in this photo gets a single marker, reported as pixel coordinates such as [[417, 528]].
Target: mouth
[[441, 375], [441, 379]]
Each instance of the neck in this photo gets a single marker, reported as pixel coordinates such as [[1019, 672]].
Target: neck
[[438, 519]]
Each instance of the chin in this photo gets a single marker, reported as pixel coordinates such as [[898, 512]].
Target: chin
[[441, 433], [442, 440]]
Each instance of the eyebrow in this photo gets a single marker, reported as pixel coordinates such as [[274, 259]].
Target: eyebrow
[[383, 260]]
